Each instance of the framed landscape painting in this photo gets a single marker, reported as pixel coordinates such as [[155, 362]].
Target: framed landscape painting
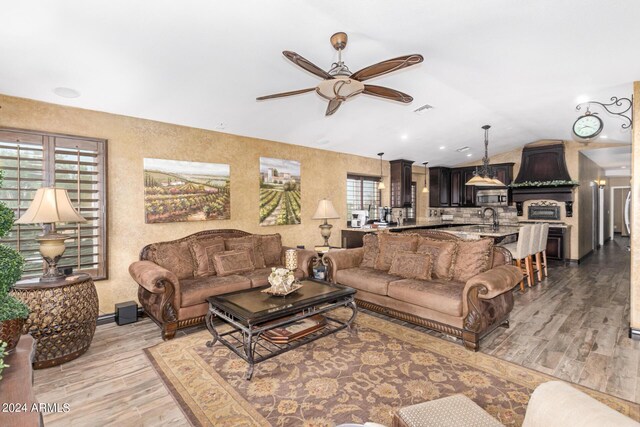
[[279, 191], [176, 191]]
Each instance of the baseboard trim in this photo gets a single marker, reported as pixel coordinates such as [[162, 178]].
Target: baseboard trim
[[634, 333], [103, 319]]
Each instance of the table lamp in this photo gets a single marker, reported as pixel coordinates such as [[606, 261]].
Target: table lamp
[[325, 211], [50, 206]]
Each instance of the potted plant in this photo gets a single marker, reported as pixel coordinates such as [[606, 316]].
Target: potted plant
[[12, 311]]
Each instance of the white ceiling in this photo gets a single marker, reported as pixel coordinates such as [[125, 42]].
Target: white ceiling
[[517, 65], [615, 160]]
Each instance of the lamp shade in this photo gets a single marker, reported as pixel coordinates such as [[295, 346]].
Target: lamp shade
[[50, 205], [325, 210], [477, 180]]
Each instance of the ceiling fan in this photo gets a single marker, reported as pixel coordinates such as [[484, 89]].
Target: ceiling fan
[[340, 83]]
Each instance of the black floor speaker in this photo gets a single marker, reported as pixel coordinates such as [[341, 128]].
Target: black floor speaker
[[126, 312]]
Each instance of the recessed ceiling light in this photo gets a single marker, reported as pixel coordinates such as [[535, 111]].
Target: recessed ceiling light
[[66, 92], [442, 147], [623, 167], [404, 136], [469, 155], [581, 99], [604, 137]]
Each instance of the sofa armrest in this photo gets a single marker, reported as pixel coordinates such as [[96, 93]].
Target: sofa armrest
[[341, 260], [556, 403], [151, 276], [495, 281], [306, 259]]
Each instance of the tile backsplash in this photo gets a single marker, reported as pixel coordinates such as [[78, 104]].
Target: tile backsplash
[[506, 214]]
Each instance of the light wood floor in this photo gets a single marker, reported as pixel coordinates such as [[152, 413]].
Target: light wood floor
[[573, 325]]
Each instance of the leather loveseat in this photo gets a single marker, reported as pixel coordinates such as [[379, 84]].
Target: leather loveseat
[[176, 277], [466, 293]]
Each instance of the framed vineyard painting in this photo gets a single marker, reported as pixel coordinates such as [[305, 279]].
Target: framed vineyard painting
[[176, 191], [279, 191]]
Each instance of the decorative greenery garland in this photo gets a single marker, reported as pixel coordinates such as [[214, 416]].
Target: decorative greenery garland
[[3, 345], [554, 183]]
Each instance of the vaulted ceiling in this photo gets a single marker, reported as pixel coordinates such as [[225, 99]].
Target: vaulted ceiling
[[517, 65]]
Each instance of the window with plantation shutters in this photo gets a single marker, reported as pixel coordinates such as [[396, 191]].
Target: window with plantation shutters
[[31, 160], [362, 194], [411, 212]]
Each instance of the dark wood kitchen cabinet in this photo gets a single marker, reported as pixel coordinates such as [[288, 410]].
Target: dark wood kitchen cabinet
[[556, 243], [447, 186], [456, 188], [401, 176], [439, 187]]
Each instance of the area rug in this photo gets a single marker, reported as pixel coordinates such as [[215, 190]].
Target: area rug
[[349, 377]]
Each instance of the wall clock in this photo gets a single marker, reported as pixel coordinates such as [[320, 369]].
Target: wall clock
[[587, 126]]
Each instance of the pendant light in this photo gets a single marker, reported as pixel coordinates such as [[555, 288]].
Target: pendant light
[[381, 185], [482, 177], [425, 189]]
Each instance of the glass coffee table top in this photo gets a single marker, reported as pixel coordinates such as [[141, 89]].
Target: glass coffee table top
[[253, 305]]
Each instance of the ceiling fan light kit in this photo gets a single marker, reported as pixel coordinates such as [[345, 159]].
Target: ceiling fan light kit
[[340, 84]]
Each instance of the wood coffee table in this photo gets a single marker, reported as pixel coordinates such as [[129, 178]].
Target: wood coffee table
[[252, 312]]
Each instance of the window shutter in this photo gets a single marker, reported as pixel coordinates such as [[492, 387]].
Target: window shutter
[[362, 192], [32, 160]]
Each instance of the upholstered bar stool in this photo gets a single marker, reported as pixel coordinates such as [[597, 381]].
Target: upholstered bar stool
[[541, 254], [534, 245], [521, 251]]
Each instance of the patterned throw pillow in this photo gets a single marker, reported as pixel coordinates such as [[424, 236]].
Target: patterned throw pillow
[[389, 244], [474, 257], [250, 243], [175, 257], [202, 251], [232, 262], [411, 265], [370, 244], [271, 245], [443, 254]]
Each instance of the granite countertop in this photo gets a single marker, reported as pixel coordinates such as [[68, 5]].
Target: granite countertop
[[484, 230], [434, 223], [553, 224]]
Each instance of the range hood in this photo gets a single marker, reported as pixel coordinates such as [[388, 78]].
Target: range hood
[[543, 162]]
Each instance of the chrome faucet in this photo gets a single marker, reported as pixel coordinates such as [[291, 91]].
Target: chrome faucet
[[494, 217]]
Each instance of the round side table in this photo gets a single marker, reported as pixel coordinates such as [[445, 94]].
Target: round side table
[[62, 317]]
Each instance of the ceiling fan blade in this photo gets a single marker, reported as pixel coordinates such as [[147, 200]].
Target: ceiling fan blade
[[306, 64], [386, 67], [333, 106], [385, 92], [280, 95]]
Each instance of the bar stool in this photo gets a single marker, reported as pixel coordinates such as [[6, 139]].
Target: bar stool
[[521, 250], [536, 231], [541, 254]]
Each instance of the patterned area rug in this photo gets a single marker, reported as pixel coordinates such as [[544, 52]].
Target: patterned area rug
[[357, 376]]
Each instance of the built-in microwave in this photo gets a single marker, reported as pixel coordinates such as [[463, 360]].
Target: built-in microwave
[[494, 197]]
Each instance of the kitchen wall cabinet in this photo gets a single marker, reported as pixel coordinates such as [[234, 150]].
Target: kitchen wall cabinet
[[447, 185]]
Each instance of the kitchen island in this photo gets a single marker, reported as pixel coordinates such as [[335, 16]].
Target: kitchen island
[[500, 234], [352, 237]]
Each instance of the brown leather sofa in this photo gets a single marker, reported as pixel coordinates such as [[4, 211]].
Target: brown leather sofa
[[176, 277], [468, 294]]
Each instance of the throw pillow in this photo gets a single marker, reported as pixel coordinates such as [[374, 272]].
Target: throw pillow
[[370, 244], [202, 251], [271, 249], [411, 265], [443, 254], [232, 262], [250, 243], [474, 257], [175, 257], [389, 244]]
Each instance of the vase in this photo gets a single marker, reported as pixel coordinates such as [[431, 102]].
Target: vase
[[10, 331]]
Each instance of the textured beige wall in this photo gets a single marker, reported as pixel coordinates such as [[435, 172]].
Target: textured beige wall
[[635, 216], [130, 140], [589, 172]]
